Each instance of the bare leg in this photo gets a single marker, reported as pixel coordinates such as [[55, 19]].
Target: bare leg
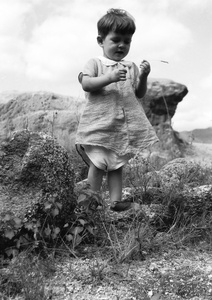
[[115, 190], [95, 176], [115, 185]]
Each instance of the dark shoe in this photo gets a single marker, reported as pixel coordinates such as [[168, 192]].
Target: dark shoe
[[121, 206]]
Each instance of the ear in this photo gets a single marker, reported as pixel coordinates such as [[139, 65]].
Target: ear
[[100, 40]]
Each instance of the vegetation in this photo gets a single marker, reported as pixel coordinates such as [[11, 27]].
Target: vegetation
[[162, 218]]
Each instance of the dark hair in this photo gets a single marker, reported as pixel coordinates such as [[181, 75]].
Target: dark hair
[[116, 20]]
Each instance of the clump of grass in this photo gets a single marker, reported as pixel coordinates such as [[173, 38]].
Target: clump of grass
[[122, 245]]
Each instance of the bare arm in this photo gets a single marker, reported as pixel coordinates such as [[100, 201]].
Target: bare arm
[[91, 84], [142, 83]]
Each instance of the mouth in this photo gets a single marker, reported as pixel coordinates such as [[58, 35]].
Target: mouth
[[119, 52]]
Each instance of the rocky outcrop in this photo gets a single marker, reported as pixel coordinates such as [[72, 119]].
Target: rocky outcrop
[[59, 115], [55, 115], [160, 104], [161, 100]]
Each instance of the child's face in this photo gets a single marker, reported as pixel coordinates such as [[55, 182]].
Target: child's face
[[115, 46]]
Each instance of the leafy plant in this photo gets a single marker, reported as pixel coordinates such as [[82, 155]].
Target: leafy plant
[[46, 230]]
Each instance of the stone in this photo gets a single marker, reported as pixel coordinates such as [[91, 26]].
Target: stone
[[176, 171], [161, 99], [198, 200]]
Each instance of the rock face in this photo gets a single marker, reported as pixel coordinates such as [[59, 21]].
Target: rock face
[[34, 169], [59, 115], [161, 100], [56, 115]]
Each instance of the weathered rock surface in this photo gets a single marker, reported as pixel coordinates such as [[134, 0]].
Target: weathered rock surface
[[161, 99], [55, 115], [34, 169], [160, 104], [179, 170], [59, 115]]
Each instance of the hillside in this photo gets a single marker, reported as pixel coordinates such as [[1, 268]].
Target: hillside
[[203, 135]]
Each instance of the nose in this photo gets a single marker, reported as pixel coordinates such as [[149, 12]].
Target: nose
[[121, 45]]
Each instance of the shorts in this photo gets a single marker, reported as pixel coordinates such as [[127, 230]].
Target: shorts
[[106, 159]]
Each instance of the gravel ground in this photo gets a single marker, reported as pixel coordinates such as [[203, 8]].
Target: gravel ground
[[184, 274]]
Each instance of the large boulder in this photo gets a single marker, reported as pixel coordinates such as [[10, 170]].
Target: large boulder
[[36, 174], [176, 172], [59, 115], [161, 100], [55, 115], [160, 104]]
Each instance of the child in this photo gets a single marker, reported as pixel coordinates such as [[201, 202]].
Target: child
[[113, 126]]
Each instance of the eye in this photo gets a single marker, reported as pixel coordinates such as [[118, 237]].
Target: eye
[[127, 42], [116, 41]]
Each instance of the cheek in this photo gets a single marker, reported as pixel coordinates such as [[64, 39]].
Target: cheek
[[112, 48]]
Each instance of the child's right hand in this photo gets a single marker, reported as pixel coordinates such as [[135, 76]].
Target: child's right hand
[[118, 75]]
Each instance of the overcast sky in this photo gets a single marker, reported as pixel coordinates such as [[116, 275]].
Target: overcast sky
[[44, 44]]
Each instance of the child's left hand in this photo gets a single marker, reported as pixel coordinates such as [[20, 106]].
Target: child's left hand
[[145, 67]]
